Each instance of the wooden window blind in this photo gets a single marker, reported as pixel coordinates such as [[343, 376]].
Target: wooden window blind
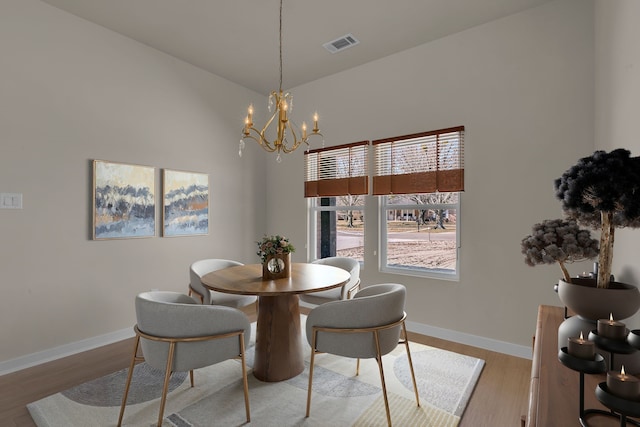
[[420, 163], [337, 171]]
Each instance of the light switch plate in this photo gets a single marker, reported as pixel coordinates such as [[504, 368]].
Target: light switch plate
[[10, 200]]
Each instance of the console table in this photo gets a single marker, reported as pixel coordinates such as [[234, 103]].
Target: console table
[[554, 392]]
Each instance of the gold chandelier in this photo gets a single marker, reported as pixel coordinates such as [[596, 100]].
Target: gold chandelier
[[287, 140]]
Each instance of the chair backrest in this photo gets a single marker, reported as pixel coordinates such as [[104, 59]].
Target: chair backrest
[[174, 315], [349, 264], [373, 306], [202, 267]]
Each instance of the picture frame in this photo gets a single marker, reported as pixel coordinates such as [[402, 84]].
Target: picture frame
[[185, 203], [124, 201]]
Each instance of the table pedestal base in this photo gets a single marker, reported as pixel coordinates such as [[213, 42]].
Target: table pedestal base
[[278, 354]]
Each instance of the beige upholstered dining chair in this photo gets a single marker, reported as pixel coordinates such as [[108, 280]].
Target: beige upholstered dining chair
[[199, 268], [370, 325], [176, 334], [346, 291]]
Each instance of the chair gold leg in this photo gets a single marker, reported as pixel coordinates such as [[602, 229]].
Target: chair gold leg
[[384, 386], [413, 376], [244, 378], [191, 377], [198, 295], [311, 362], [165, 387], [358, 367], [129, 375]]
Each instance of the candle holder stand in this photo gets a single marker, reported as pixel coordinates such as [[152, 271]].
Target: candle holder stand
[[623, 407], [584, 366], [633, 338], [611, 346], [619, 408]]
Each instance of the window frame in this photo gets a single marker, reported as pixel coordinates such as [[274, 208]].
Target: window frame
[[384, 267], [313, 208]]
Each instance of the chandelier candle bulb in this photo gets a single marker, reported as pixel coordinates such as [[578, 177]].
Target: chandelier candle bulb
[[304, 130], [612, 329], [315, 122], [622, 385], [581, 348]]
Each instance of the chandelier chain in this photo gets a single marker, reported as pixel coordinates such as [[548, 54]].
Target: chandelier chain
[[280, 32]]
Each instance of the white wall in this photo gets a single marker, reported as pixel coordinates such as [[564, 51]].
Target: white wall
[[523, 88], [617, 83], [70, 92]]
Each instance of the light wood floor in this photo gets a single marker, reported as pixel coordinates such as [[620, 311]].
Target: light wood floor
[[499, 400]]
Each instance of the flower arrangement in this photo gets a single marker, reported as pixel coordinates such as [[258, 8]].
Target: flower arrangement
[[273, 245]]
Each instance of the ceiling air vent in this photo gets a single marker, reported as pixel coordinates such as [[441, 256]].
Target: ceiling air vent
[[341, 43]]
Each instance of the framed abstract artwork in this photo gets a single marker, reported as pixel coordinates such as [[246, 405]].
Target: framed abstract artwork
[[124, 202], [185, 208]]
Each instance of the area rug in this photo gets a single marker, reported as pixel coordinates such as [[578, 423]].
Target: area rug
[[340, 398]]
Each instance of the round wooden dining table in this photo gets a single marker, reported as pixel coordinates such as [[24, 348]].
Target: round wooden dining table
[[279, 350]]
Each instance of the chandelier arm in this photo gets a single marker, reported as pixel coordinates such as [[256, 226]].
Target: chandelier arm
[[266, 126], [296, 141], [261, 141]]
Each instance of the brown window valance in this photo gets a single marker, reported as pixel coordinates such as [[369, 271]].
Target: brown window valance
[[337, 171], [420, 163]]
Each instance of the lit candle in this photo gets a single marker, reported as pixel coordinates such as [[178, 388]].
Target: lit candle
[[304, 130], [623, 385], [315, 122], [612, 329], [579, 347]]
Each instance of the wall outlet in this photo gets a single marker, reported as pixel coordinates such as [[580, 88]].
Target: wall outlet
[[10, 200]]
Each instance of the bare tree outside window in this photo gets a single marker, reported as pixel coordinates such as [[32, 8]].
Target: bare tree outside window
[[420, 233], [341, 221]]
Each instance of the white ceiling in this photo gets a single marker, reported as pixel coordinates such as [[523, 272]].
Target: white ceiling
[[238, 39]]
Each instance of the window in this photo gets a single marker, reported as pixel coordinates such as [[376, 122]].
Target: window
[[336, 227], [419, 234], [336, 181], [418, 178]]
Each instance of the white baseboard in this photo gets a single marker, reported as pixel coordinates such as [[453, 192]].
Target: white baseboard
[[462, 338], [48, 355], [516, 350], [65, 350]]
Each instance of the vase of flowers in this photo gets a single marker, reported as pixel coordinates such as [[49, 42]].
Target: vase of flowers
[[275, 254]]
